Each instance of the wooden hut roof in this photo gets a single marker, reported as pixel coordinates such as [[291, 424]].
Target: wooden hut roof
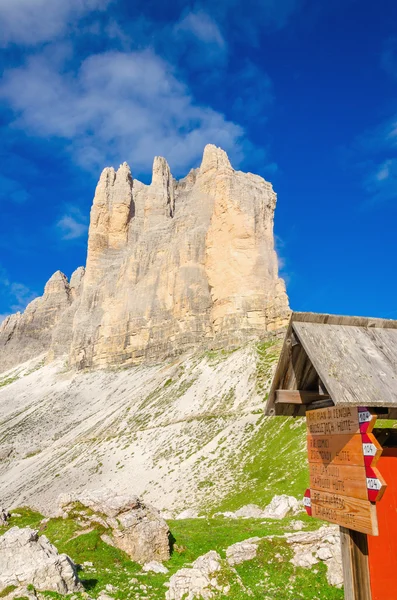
[[352, 359]]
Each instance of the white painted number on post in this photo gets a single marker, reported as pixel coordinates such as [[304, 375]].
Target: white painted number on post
[[373, 484], [364, 416], [369, 449]]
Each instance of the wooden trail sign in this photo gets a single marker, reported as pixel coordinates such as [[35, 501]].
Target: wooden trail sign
[[359, 449], [352, 513], [339, 420], [344, 481], [347, 480]]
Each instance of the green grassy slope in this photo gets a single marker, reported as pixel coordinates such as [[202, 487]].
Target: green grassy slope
[[269, 576]]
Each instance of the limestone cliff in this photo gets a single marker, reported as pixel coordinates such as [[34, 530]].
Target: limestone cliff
[[171, 266]]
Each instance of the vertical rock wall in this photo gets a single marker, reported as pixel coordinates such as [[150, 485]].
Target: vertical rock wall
[[171, 266]]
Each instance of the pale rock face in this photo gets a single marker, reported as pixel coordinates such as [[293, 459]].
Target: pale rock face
[[282, 506], [136, 528], [199, 581], [24, 336], [154, 567], [171, 266], [26, 558], [314, 546], [242, 551]]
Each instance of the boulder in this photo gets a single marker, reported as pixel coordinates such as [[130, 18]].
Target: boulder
[[26, 558], [282, 506], [249, 511], [187, 584], [208, 563], [135, 527], [242, 551], [197, 581], [321, 545], [154, 567], [189, 513], [297, 525]]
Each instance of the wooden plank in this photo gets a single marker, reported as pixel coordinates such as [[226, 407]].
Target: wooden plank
[[345, 480], [327, 319], [353, 513], [339, 420], [356, 364], [354, 547], [357, 449], [298, 397], [336, 449]]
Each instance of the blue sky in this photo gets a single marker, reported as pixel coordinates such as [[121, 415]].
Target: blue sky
[[303, 92]]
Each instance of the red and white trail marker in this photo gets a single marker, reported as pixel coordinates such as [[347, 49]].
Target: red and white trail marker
[[371, 449], [307, 503], [376, 485], [365, 419]]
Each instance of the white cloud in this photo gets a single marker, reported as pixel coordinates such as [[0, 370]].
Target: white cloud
[[16, 295], [202, 26], [72, 224], [384, 171], [21, 296], [34, 21], [381, 181], [117, 106]]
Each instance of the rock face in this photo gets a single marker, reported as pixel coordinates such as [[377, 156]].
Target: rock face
[[171, 266], [199, 581], [136, 528], [320, 545], [281, 506], [46, 324], [242, 551], [26, 559]]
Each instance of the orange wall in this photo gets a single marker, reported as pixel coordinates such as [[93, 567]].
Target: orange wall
[[382, 550]]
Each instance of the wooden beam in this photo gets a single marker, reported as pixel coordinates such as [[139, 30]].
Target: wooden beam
[[354, 546], [298, 397]]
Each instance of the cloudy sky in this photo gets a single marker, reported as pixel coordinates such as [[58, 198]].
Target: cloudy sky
[[303, 92]]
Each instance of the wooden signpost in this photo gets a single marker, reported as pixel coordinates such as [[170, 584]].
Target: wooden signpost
[[344, 482]]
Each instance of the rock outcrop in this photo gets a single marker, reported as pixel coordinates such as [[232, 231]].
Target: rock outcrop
[[242, 551], [171, 266], [280, 506], [45, 326], [134, 527], [197, 581], [26, 558], [322, 545]]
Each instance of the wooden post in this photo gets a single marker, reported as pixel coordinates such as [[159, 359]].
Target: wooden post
[[354, 548]]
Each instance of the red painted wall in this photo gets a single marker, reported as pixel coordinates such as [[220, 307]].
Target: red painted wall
[[382, 550]]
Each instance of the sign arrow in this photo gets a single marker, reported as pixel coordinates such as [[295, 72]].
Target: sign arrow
[[376, 485], [371, 449]]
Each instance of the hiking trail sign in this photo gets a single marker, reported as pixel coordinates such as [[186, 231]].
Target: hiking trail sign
[[344, 481]]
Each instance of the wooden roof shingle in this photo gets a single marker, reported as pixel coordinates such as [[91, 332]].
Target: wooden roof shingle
[[355, 358]]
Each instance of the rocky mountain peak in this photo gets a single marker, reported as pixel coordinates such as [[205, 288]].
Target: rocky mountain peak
[[171, 266], [214, 158], [57, 284]]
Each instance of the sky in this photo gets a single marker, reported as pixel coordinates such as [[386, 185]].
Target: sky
[[302, 92]]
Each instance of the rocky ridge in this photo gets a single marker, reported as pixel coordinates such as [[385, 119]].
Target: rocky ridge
[[171, 266]]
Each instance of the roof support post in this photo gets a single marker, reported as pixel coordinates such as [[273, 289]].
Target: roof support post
[[354, 546]]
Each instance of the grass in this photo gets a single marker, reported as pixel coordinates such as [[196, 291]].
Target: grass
[[271, 461], [7, 590], [269, 575], [8, 380]]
